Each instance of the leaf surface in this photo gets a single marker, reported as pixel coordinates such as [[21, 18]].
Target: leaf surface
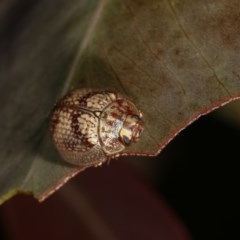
[[175, 59]]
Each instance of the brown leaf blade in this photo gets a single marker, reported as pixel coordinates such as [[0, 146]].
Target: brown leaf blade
[[176, 60]]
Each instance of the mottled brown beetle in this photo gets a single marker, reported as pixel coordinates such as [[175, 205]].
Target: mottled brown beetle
[[90, 126]]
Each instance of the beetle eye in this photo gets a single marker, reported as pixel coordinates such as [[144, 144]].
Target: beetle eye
[[126, 140], [125, 136]]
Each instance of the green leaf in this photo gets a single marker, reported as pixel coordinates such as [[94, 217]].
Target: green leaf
[[175, 59]]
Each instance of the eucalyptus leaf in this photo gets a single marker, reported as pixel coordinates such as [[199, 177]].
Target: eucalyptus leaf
[[176, 60]]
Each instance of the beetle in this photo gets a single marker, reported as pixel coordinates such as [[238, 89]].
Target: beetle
[[89, 126]]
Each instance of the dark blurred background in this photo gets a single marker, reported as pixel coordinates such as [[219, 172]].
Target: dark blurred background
[[198, 174]]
